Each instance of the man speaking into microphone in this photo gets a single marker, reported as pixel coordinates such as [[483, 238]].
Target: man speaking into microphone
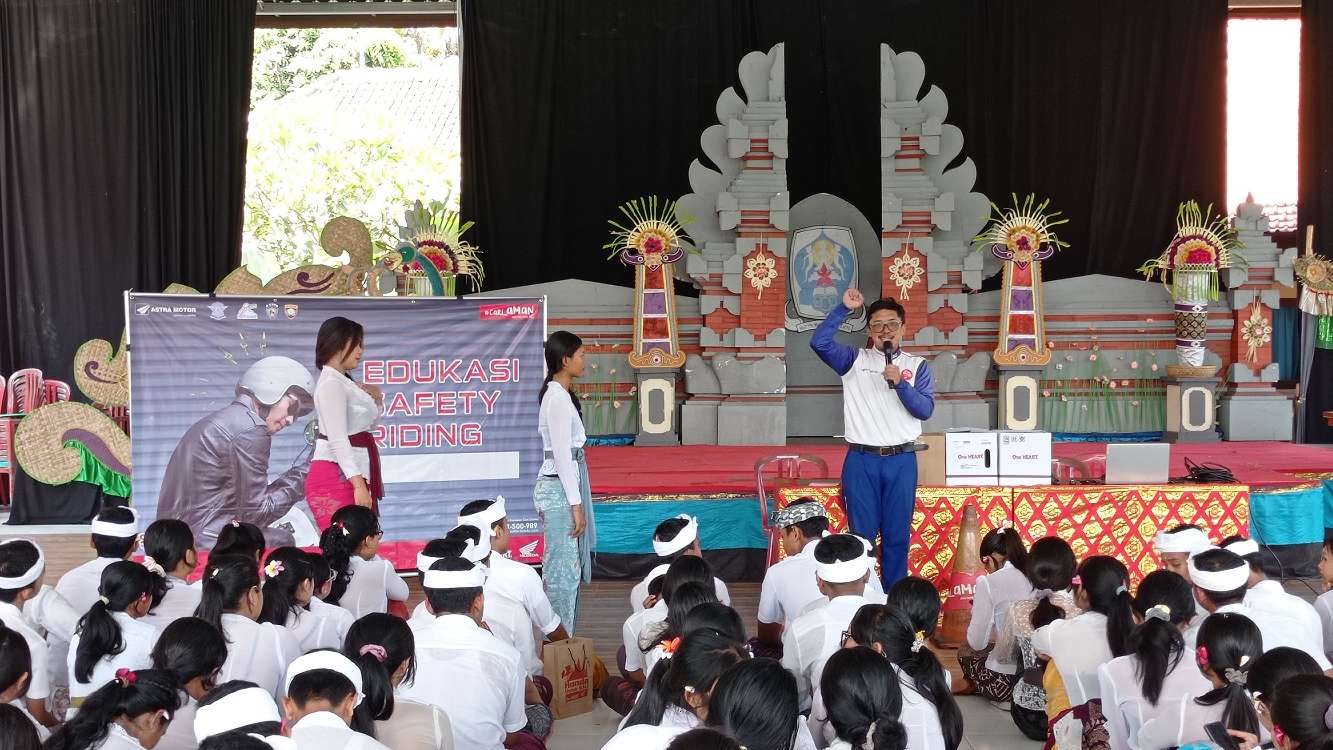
[[886, 392]]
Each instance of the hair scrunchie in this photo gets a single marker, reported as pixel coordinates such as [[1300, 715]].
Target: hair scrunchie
[[375, 650]]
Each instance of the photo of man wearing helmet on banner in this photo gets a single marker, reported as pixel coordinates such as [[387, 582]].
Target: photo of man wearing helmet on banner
[[219, 470]]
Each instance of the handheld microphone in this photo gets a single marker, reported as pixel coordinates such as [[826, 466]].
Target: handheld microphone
[[889, 352]]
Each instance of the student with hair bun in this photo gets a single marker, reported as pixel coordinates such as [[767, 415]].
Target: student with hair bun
[[991, 671], [169, 552], [1158, 668], [384, 648], [112, 635], [863, 700]]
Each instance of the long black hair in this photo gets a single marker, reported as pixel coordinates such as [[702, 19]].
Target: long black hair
[[335, 335], [697, 663], [17, 730], [168, 541], [1165, 601], [1301, 708], [560, 344], [919, 600], [861, 690], [140, 692], [264, 728], [1006, 543], [683, 569], [239, 538], [1231, 642], [123, 583], [900, 643], [1050, 567], [717, 617], [684, 598], [290, 567], [227, 580], [191, 649], [703, 738], [1105, 580], [379, 643], [15, 660], [1273, 667], [752, 701], [351, 525]]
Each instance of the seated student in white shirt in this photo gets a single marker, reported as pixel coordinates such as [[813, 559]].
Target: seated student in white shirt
[[112, 635], [1176, 546], [1159, 667], [169, 552], [363, 581], [1324, 603], [237, 707], [131, 712], [22, 571], [862, 701], [988, 670], [1220, 578], [1269, 595], [17, 729], [474, 676], [15, 673], [231, 602], [930, 713], [1303, 708], [508, 577], [1079, 645], [842, 570], [323, 689], [1229, 643], [1271, 669], [750, 701], [920, 601], [383, 647], [289, 585], [655, 638], [322, 576], [194, 651], [115, 534], [240, 538], [673, 538]]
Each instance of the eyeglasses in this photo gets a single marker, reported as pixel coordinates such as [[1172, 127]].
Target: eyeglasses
[[889, 326]]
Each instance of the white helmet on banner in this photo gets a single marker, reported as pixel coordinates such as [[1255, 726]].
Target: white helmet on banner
[[271, 378]]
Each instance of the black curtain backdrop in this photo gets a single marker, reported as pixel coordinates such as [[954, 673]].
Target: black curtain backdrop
[[1115, 110], [1315, 204], [122, 161]]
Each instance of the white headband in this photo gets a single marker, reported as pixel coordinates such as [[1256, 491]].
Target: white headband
[[119, 530], [242, 708], [331, 660], [424, 561], [656, 573], [476, 551], [454, 579], [844, 571], [1220, 581], [1192, 541], [484, 519], [1242, 547], [32, 574], [683, 539]]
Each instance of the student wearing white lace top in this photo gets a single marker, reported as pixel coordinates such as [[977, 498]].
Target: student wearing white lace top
[[345, 467], [988, 669]]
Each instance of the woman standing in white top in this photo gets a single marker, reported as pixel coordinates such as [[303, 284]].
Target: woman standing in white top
[[345, 468], [363, 581], [232, 601], [1158, 668], [169, 550], [563, 496], [990, 670], [111, 637]]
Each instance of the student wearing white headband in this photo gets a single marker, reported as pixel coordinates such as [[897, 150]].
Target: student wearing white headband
[[22, 570], [1268, 595], [509, 577], [322, 690], [115, 535], [463, 668], [1178, 544], [1220, 579], [237, 706], [842, 570], [673, 538]]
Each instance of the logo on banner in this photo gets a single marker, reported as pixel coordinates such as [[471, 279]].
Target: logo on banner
[[143, 309], [271, 309], [248, 311], [518, 311], [176, 310], [217, 311], [290, 310]]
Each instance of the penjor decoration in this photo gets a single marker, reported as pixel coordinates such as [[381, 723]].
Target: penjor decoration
[[651, 242], [1022, 237], [1202, 246], [1316, 274], [433, 253]]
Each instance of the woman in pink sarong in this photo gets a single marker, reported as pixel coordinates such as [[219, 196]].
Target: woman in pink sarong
[[345, 468]]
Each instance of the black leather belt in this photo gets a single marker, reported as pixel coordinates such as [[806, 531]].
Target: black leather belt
[[888, 450]]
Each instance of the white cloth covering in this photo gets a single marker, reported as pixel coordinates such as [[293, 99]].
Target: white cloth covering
[[789, 587], [1078, 646], [257, 652], [415, 726], [312, 631], [522, 584], [474, 676], [79, 586], [118, 739], [42, 731], [1123, 703], [1181, 722], [343, 408], [324, 730], [562, 431], [374, 582], [1269, 595], [1277, 629], [507, 620], [181, 600], [180, 732], [139, 638], [814, 636], [992, 597]]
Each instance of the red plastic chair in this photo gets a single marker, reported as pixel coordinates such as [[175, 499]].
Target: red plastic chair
[[4, 449], [22, 396], [787, 470], [54, 390]]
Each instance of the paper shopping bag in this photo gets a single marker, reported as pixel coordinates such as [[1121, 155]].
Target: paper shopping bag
[[568, 664]]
